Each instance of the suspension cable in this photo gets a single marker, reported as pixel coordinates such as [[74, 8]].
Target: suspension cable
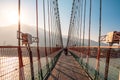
[[21, 69], [78, 22], [51, 12], [100, 23], [81, 22], [89, 35], [47, 65], [49, 25], [84, 22], [38, 52]]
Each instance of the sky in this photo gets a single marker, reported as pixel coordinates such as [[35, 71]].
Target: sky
[[110, 14]]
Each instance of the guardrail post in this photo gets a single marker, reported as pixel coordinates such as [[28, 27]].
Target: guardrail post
[[40, 74], [97, 64], [31, 65], [21, 70], [107, 62], [31, 62]]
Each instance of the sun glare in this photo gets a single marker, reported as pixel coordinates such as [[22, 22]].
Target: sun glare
[[9, 16], [12, 17]]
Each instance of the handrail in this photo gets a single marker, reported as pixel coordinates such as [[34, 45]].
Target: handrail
[[90, 67], [52, 64], [9, 62]]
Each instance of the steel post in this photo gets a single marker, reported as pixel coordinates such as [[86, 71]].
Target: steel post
[[107, 63], [21, 70]]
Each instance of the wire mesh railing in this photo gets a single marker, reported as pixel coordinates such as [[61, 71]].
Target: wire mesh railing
[[90, 66], [9, 62], [29, 61], [9, 68], [85, 36]]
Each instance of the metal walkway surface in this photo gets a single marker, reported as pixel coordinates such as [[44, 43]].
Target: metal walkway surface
[[67, 69]]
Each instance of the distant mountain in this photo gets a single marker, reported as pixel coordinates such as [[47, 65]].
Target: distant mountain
[[64, 40], [93, 43], [8, 34]]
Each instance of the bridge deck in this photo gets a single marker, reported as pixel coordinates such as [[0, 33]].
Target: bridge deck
[[67, 69]]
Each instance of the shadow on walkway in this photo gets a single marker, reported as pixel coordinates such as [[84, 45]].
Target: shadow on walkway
[[67, 69]]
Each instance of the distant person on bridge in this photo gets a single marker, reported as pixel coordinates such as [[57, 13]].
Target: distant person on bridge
[[66, 51]]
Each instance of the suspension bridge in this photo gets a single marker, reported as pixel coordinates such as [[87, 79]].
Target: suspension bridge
[[49, 62]]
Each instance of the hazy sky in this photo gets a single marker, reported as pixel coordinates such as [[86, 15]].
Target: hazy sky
[[110, 14]]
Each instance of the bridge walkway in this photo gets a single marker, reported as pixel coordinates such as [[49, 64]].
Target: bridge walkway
[[67, 68]]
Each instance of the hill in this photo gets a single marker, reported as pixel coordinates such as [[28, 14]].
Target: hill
[[93, 43], [8, 34]]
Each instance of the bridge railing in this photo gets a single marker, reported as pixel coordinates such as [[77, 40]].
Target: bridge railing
[[9, 62], [89, 63]]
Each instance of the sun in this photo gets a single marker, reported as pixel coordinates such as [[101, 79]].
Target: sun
[[12, 17], [9, 15]]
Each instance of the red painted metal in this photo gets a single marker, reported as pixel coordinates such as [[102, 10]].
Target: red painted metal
[[89, 32], [46, 54], [21, 70], [107, 63], [38, 51], [99, 49], [31, 61]]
